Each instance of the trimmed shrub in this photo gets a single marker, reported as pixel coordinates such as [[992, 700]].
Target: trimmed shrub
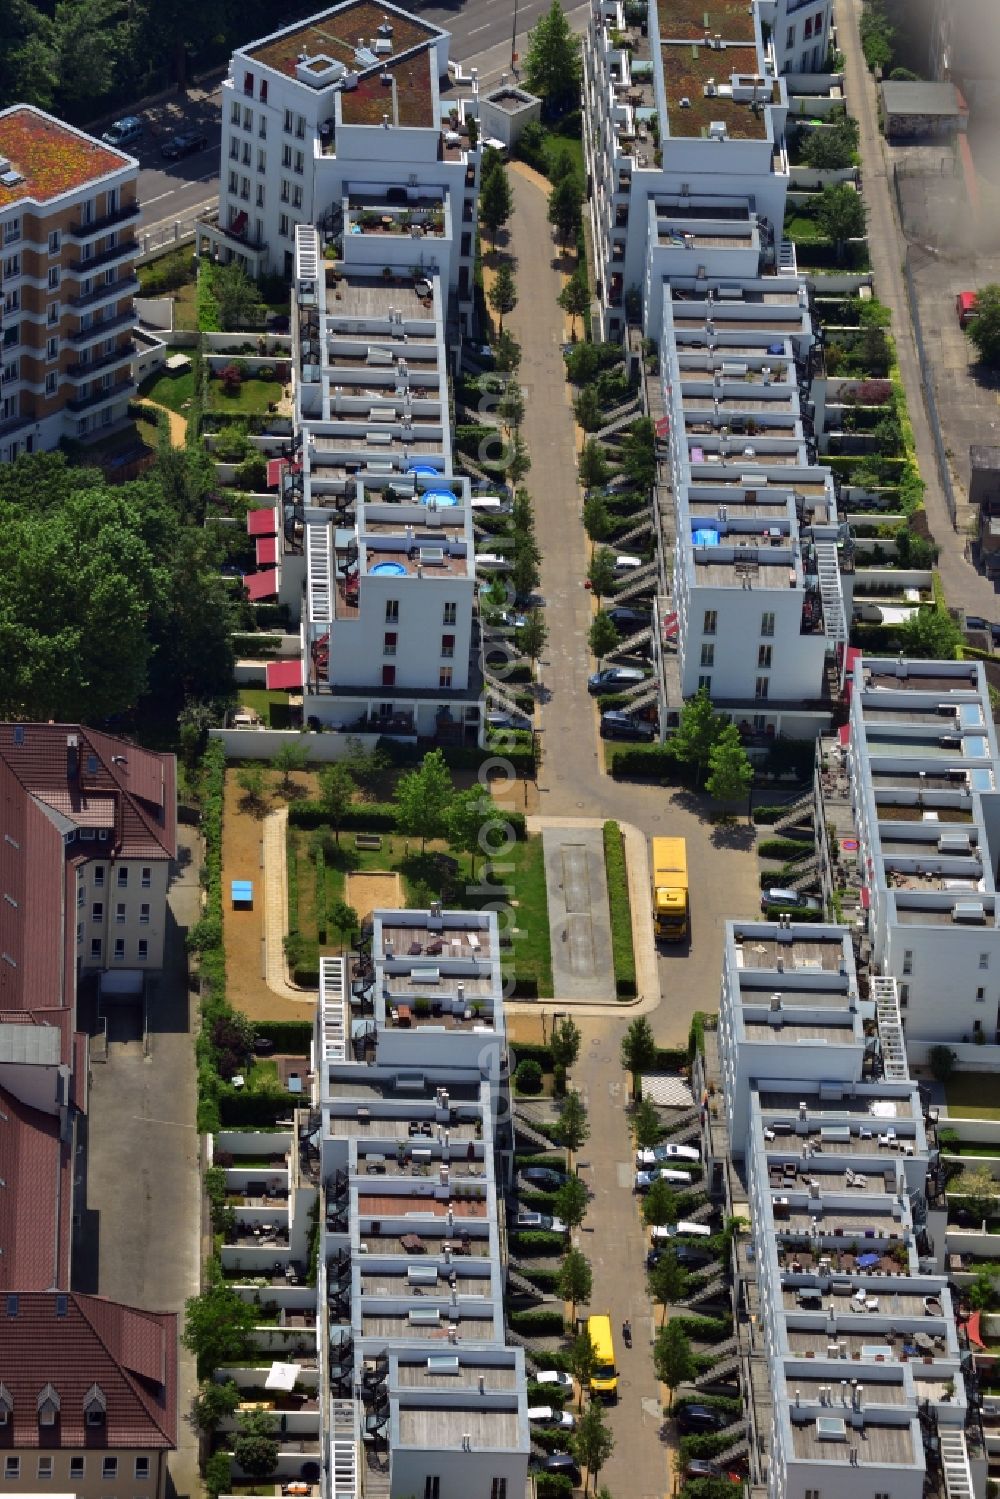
[[528, 1077], [540, 1241], [288, 1035], [541, 1323], [788, 850], [553, 1485], [523, 1051], [622, 950]]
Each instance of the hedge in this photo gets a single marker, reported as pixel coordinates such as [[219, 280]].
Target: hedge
[[715, 1402], [292, 1036], [696, 1036], [523, 1159], [543, 1323], [765, 814], [670, 1059], [373, 817], [794, 913], [622, 951], [651, 762], [544, 1394], [788, 850], [545, 1279], [553, 1485], [704, 1444], [240, 1109], [523, 1051], [538, 1241], [706, 1329]]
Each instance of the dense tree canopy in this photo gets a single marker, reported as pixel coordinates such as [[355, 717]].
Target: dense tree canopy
[[108, 595]]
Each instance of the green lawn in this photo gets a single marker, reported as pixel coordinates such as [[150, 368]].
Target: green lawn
[[173, 391], [969, 1096], [272, 707], [802, 227], [251, 396], [185, 308]]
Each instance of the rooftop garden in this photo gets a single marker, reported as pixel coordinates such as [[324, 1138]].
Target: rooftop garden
[[329, 36], [688, 20], [686, 70], [51, 157], [407, 99]]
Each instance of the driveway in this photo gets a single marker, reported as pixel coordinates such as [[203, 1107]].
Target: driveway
[[139, 1239], [579, 917]]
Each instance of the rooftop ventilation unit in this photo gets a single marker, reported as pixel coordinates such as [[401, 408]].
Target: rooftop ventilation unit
[[383, 47], [11, 178], [434, 555], [320, 71], [828, 1428], [968, 910], [684, 102], [717, 131]]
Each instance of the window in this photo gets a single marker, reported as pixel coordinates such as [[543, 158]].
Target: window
[[146, 878], [283, 225], [445, 677], [711, 620], [97, 911], [790, 38], [392, 611], [977, 1027], [807, 29], [234, 149], [908, 960], [286, 156], [95, 949], [76, 1467], [296, 196], [767, 624], [99, 875], [812, 1493], [120, 913], [447, 645], [432, 1487], [234, 182], [11, 231], [262, 127], [450, 614], [12, 1467], [389, 643], [246, 153], [708, 655], [45, 1467], [245, 188], [52, 348], [123, 876], [980, 996], [904, 996], [498, 1488], [760, 687], [79, 933], [300, 127], [287, 127], [299, 163], [984, 961], [764, 657], [247, 119], [260, 195], [143, 949], [51, 383], [144, 914], [261, 160], [11, 267], [142, 1467], [234, 114], [109, 1467], [286, 190], [53, 278], [54, 242], [705, 682], [388, 676], [119, 949]]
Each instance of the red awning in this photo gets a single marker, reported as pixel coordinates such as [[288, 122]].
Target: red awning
[[284, 674], [261, 585], [843, 733], [866, 900], [974, 1328], [267, 551], [262, 522], [274, 467]]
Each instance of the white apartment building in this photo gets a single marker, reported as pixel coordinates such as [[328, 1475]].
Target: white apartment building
[[338, 121], [854, 1380], [406, 1385], [756, 605], [799, 33], [689, 115], [68, 217], [921, 761]]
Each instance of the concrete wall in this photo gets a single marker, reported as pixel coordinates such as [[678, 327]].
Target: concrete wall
[[970, 1058], [156, 312], [150, 356]]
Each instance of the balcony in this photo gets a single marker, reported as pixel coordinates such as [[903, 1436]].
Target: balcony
[[237, 234], [125, 287], [122, 215], [12, 424], [121, 251], [103, 329], [93, 366], [99, 397]]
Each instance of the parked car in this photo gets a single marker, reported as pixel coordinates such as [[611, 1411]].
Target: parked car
[[615, 676], [547, 1415], [557, 1377], [701, 1418], [699, 1467], [538, 1222], [482, 353], [627, 562], [687, 1256], [496, 718], [660, 1154], [184, 143], [645, 1179], [790, 899], [616, 724], [511, 619], [124, 132], [563, 1462], [545, 1178], [627, 620], [966, 307]]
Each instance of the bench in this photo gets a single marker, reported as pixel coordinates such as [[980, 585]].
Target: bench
[[368, 840]]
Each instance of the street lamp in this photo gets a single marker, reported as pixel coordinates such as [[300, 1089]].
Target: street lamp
[[513, 41]]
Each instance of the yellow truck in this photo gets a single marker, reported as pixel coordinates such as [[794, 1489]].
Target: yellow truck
[[670, 889]]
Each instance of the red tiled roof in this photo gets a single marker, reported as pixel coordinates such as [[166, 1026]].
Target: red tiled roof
[[36, 1207], [261, 585], [131, 1355], [284, 674]]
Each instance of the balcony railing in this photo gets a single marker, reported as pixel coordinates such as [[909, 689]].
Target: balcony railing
[[118, 252], [102, 330], [125, 287], [11, 424], [93, 366], [122, 215], [233, 235], [98, 397]]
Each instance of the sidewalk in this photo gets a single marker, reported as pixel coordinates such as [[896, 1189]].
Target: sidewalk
[[276, 909]]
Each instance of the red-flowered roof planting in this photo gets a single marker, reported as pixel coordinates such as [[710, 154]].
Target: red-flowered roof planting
[[55, 1348], [52, 158]]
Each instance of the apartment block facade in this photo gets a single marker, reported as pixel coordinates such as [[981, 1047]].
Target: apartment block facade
[[337, 121], [69, 211]]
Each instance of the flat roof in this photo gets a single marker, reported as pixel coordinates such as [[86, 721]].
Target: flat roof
[[692, 19], [52, 158], [435, 1426], [407, 98], [922, 98], [687, 68], [335, 34]]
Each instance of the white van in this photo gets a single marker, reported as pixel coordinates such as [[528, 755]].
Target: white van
[[671, 1230], [492, 562], [489, 504], [626, 563]]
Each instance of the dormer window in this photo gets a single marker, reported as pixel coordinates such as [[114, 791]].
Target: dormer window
[[48, 1406], [95, 1406], [6, 1405]]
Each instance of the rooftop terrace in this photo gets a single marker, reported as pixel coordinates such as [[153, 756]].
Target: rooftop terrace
[[335, 34], [687, 68]]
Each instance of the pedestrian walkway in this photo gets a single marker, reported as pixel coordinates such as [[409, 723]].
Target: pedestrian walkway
[[176, 424], [579, 915], [276, 909]]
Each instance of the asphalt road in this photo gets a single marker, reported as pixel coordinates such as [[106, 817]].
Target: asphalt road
[[481, 32]]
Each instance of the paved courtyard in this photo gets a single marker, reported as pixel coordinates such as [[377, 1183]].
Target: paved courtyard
[[579, 919]]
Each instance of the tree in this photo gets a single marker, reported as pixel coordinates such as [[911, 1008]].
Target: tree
[[941, 1060], [251, 782], [423, 799], [730, 773], [602, 636], [660, 1204], [832, 147], [574, 298], [587, 409], [592, 1443], [840, 215], [565, 209], [473, 823], [596, 517], [982, 1295], [552, 61], [931, 633], [977, 1190], [336, 793], [572, 1124], [576, 1280], [646, 1126], [218, 1324], [672, 1357], [518, 459], [572, 1201], [984, 329], [667, 1281], [564, 1042], [292, 756], [511, 407], [639, 453], [601, 572], [506, 353], [502, 295], [343, 918], [218, 1474], [582, 1356], [496, 201], [638, 1051], [533, 634], [256, 1446], [238, 299], [697, 731], [524, 573], [593, 465], [213, 1403]]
